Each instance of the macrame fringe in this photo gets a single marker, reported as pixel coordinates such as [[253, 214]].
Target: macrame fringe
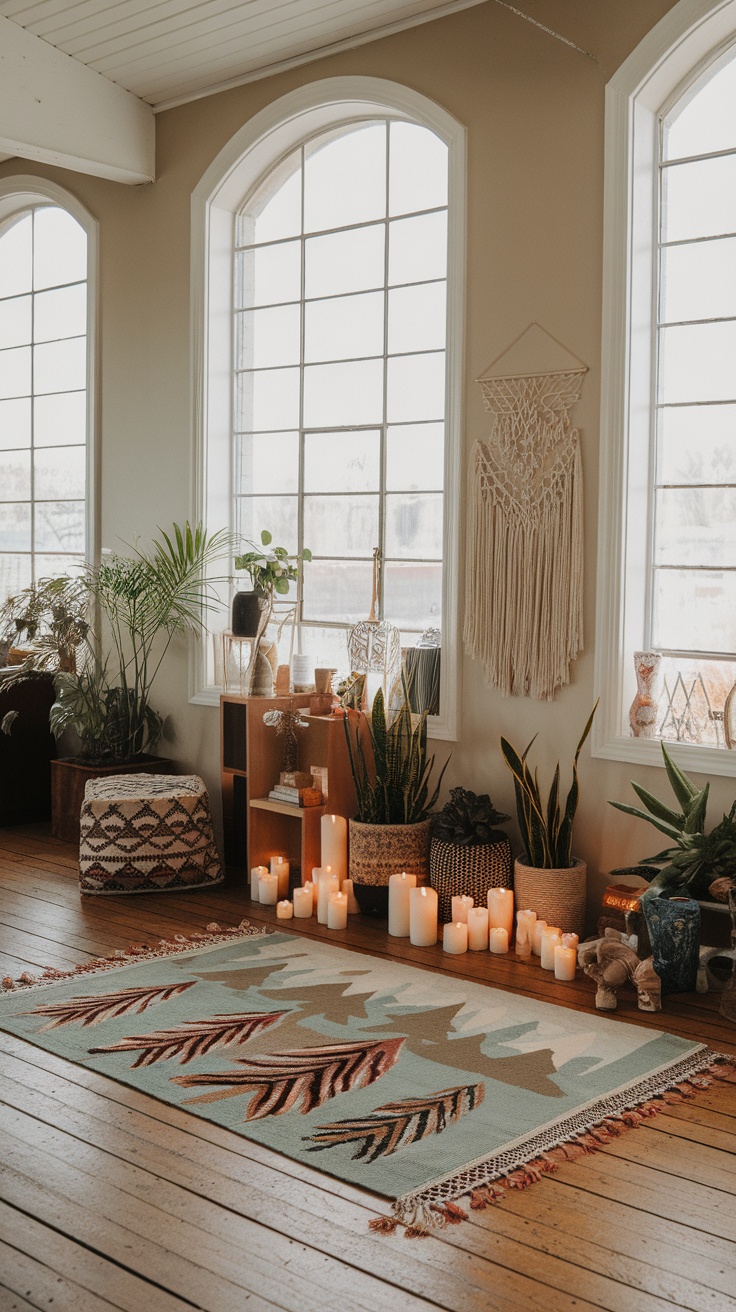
[[423, 1214]]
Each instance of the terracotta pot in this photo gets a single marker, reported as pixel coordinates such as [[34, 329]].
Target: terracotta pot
[[557, 896], [379, 851]]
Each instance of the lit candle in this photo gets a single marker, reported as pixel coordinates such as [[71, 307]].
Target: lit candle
[[525, 922], [564, 962], [460, 908], [280, 867], [337, 911], [478, 929], [501, 910], [570, 941], [455, 937], [550, 938], [498, 939], [539, 929], [347, 888], [328, 883], [303, 902], [284, 910], [399, 888], [255, 875], [334, 835], [268, 889], [423, 917]]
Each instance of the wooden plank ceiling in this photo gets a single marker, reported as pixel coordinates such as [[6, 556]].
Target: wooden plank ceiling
[[170, 51]]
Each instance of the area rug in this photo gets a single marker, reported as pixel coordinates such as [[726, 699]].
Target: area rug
[[419, 1087]]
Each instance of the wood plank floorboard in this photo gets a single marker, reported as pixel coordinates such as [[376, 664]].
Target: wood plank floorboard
[[110, 1199]]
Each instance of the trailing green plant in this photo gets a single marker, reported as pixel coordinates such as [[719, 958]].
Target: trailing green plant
[[271, 571], [51, 616], [392, 781], [546, 831], [467, 820]]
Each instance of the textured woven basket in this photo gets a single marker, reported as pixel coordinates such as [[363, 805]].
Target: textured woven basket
[[557, 896], [379, 851], [454, 871]]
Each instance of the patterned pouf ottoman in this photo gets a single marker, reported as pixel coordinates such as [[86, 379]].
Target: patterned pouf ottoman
[[144, 833]]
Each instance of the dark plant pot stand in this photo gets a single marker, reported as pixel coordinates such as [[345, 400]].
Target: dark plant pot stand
[[69, 780]]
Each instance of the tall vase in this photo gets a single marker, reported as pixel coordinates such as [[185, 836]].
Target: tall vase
[[674, 933], [645, 706], [259, 675]]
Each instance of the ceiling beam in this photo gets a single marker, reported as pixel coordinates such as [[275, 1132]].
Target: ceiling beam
[[56, 110]]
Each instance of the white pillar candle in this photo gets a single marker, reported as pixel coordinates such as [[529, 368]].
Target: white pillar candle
[[399, 888], [347, 888], [498, 939], [478, 929], [565, 960], [268, 889], [525, 922], [280, 867], [570, 941], [501, 910], [337, 911], [334, 835], [284, 910], [539, 929], [550, 938], [255, 875], [313, 889], [328, 883], [423, 917], [455, 937], [303, 902], [460, 908]]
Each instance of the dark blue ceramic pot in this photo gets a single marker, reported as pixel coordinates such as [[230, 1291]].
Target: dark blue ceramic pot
[[674, 932]]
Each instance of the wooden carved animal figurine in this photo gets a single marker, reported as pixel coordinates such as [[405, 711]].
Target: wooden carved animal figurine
[[612, 964]]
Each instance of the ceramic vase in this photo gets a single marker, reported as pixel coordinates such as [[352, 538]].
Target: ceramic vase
[[246, 612], [674, 933], [645, 706]]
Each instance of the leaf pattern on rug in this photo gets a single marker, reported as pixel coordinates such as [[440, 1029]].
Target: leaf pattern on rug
[[194, 1038], [398, 1124], [106, 1006], [302, 1079]]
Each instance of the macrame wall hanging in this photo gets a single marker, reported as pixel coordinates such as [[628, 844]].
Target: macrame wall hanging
[[524, 596]]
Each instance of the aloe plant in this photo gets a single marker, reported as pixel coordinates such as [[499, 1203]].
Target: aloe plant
[[546, 831], [391, 783]]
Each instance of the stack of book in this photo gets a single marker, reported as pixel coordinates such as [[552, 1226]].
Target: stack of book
[[296, 796]]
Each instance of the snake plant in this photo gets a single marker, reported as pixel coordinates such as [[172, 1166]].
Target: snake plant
[[392, 778]]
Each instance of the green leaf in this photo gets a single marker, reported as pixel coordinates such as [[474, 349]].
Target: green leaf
[[642, 815], [281, 586], [683, 788], [655, 807], [695, 812], [306, 554], [266, 537]]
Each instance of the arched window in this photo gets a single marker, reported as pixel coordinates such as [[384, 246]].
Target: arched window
[[45, 506], [341, 428]]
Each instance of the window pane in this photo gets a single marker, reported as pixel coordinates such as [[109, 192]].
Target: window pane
[[418, 169], [696, 526], [417, 318], [15, 526], [699, 199], [269, 275], [326, 648], [337, 394], [15, 321], [60, 473], [416, 387], [414, 526], [344, 328], [267, 337], [412, 595], [276, 209], [60, 248], [60, 419], [344, 262], [415, 457], [267, 462], [276, 514], [51, 566], [696, 444], [695, 611], [15, 423], [345, 178], [417, 248], [267, 399], [699, 280], [698, 363], [342, 462], [693, 692], [61, 313], [338, 590], [60, 366], [16, 250], [59, 526], [706, 122], [341, 526], [15, 475], [15, 372], [15, 572]]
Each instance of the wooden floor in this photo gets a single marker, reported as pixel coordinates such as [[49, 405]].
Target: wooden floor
[[111, 1199]]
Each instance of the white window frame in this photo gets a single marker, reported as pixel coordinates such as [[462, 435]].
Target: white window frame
[[670, 57], [18, 194], [241, 164]]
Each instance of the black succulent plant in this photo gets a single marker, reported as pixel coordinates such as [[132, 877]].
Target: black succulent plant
[[468, 820]]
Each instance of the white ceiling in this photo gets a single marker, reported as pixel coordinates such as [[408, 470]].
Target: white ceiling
[[170, 51]]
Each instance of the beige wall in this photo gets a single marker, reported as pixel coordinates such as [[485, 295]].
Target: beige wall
[[533, 108]]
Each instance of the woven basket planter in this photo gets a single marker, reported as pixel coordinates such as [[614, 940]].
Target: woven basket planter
[[379, 851], [455, 871], [557, 896]]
